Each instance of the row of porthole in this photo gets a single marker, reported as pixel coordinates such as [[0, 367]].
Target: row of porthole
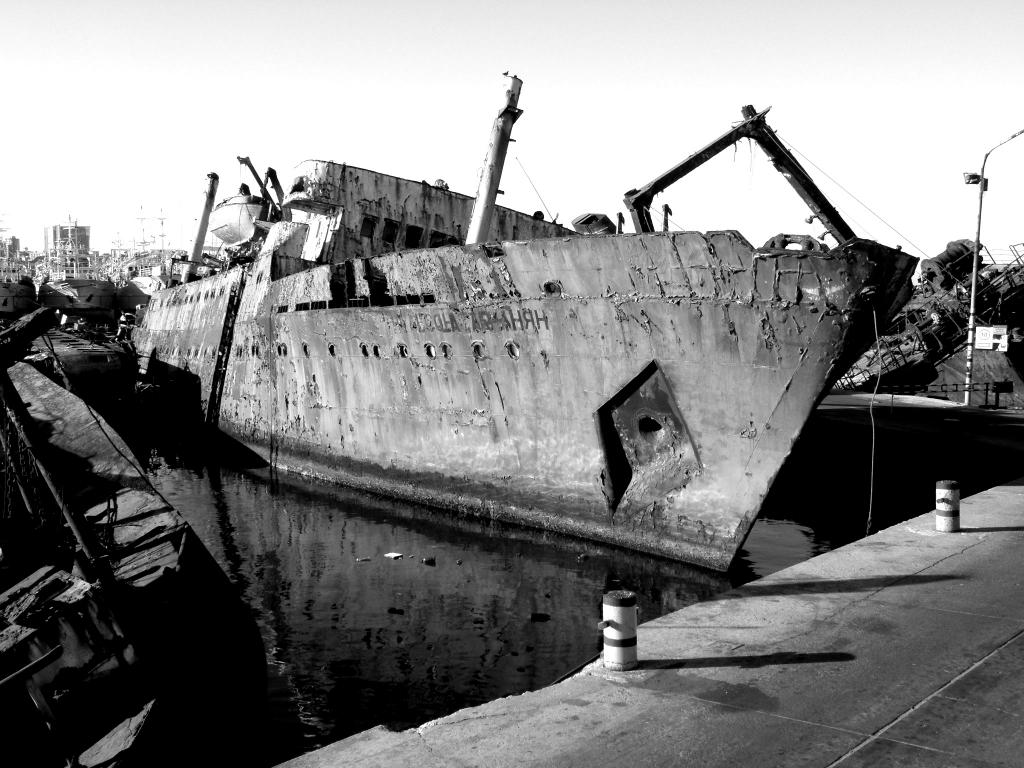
[[191, 352], [189, 298], [402, 350]]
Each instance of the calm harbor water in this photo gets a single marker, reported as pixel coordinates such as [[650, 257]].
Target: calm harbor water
[[470, 612], [474, 610]]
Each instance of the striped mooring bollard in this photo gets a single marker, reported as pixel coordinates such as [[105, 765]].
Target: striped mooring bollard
[[947, 506], [619, 613]]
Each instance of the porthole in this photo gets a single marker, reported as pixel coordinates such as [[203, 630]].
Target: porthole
[[430, 351], [478, 349], [364, 349], [513, 349], [305, 349], [553, 288], [331, 350], [403, 350], [376, 351], [446, 350]]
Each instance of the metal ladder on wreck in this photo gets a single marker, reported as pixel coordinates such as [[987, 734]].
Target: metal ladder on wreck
[[905, 342], [224, 351]]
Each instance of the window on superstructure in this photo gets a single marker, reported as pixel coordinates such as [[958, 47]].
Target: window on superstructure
[[437, 239], [413, 236], [368, 227], [390, 234]]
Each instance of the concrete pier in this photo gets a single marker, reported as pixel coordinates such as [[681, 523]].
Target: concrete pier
[[905, 648]]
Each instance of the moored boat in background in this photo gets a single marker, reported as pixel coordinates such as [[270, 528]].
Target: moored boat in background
[[80, 297]]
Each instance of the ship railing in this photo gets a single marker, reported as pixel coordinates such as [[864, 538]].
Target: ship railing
[[33, 511], [888, 354], [28, 511], [987, 388]]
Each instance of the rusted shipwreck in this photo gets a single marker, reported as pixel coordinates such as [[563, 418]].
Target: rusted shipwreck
[[640, 389], [923, 350]]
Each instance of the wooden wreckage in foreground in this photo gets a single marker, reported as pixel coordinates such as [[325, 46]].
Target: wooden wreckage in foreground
[[639, 389], [114, 618]]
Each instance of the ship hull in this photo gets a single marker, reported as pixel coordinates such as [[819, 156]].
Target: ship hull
[[80, 297], [641, 390], [16, 299]]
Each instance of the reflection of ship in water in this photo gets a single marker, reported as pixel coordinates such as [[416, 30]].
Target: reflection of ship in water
[[355, 639], [924, 348]]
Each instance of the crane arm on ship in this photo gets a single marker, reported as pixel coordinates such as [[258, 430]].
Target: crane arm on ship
[[275, 184], [638, 201], [263, 187]]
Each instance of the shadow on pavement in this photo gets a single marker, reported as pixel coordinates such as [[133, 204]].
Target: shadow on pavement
[[829, 586], [763, 660]]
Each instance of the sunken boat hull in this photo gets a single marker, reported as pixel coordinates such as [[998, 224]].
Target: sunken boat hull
[[642, 390]]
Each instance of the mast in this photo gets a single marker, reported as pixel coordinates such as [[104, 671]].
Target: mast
[[211, 191], [490, 175]]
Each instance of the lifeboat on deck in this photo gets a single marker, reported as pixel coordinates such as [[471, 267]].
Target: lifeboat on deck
[[233, 220]]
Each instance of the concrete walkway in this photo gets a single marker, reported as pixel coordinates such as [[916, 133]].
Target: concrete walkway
[[903, 649]]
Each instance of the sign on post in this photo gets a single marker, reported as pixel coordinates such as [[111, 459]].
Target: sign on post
[[991, 337]]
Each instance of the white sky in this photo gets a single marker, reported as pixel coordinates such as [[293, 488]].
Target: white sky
[[116, 109]]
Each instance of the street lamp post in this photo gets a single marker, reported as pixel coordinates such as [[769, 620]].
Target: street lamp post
[[982, 182]]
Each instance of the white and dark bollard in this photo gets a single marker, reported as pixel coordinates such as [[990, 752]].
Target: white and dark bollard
[[619, 612], [947, 506]]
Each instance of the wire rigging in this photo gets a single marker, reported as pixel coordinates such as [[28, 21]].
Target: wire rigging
[[550, 218], [859, 201]]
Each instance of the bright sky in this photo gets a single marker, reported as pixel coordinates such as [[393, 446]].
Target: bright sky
[[117, 109]]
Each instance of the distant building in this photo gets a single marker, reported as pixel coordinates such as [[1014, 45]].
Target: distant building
[[70, 238], [9, 247]]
